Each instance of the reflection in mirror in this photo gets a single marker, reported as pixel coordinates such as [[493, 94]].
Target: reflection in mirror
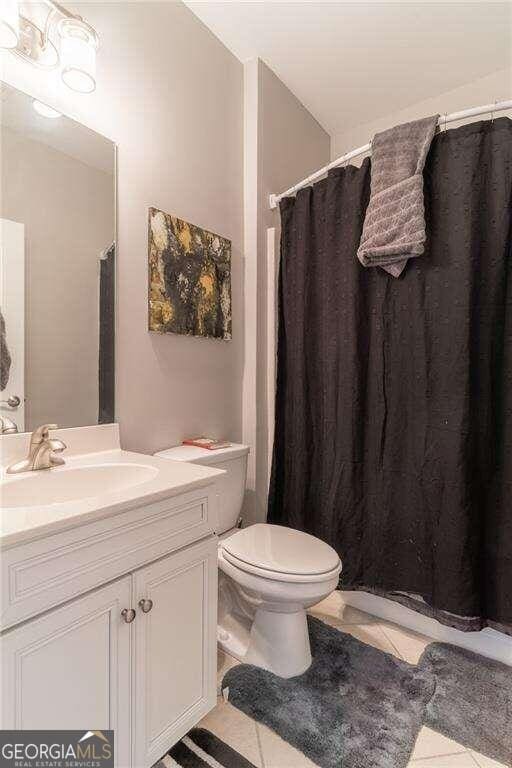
[[57, 268]]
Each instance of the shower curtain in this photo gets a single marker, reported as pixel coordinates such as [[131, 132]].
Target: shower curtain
[[393, 438], [106, 357]]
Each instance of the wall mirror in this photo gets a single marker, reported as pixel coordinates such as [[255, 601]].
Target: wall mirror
[[57, 268]]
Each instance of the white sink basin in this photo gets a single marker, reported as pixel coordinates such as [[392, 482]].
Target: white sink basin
[[55, 486]]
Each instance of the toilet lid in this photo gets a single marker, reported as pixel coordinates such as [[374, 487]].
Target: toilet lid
[[281, 550]]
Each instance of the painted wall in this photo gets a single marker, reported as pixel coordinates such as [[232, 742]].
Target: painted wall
[[63, 242], [287, 144], [171, 96], [484, 90]]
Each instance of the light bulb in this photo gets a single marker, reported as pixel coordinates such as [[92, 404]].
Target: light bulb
[[9, 24], [78, 45]]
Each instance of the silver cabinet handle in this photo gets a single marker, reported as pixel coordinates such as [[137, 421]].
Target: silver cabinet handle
[[13, 401], [128, 615], [145, 605]]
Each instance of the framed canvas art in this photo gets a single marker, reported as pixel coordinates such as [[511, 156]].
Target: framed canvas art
[[189, 278]]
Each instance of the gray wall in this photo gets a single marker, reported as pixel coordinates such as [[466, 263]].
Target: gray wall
[[170, 94], [484, 90], [290, 145], [183, 155], [67, 208]]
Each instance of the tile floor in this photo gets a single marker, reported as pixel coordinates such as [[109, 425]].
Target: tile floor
[[265, 749]]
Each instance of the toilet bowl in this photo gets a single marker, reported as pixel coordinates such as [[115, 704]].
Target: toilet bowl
[[278, 573], [269, 575]]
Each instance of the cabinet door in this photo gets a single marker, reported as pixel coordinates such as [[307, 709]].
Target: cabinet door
[[175, 648], [70, 669]]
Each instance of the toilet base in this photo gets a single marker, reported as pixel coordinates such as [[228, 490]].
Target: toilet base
[[279, 642], [262, 621], [275, 641]]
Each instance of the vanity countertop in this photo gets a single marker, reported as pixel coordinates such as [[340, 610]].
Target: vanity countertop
[[89, 487]]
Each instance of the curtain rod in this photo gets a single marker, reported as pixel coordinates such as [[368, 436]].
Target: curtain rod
[[498, 106]]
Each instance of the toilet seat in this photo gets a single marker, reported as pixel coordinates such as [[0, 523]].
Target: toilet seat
[[280, 554], [290, 578]]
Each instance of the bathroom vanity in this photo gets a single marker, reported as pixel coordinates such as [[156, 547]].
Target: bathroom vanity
[[109, 593]]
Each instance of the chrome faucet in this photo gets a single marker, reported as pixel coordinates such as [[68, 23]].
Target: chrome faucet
[[41, 452], [7, 426]]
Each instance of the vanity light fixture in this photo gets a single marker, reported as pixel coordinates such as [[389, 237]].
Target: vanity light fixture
[[44, 110], [48, 36], [78, 45]]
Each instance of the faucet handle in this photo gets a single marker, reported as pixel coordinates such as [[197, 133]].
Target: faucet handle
[[42, 433]]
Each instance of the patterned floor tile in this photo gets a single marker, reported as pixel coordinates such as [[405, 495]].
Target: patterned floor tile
[[334, 605], [432, 744], [236, 729], [463, 760], [410, 645]]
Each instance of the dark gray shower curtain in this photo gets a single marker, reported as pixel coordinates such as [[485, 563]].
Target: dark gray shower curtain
[[106, 357], [393, 436]]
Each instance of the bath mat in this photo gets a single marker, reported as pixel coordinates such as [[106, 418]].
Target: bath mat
[[355, 707], [202, 749], [472, 701]]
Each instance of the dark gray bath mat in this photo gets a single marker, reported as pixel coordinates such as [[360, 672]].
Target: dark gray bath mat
[[472, 702], [202, 749], [355, 707]]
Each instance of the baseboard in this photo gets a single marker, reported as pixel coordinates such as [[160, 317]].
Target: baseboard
[[488, 642]]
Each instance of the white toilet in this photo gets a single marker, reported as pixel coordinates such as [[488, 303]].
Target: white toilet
[[269, 575]]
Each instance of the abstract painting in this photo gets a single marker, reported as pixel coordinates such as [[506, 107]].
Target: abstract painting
[[189, 278]]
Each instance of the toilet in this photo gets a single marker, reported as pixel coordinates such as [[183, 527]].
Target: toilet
[[268, 574]]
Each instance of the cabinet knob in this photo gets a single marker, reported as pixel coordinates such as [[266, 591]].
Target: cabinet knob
[[145, 605], [128, 615]]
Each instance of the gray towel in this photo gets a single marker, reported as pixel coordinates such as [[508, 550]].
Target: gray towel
[[394, 226], [5, 357]]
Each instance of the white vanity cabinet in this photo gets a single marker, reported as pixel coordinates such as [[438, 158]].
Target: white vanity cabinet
[[175, 657], [112, 625], [70, 669]]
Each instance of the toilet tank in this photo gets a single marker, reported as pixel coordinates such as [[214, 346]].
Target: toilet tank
[[234, 461]]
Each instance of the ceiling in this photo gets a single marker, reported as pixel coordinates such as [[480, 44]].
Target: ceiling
[[350, 63]]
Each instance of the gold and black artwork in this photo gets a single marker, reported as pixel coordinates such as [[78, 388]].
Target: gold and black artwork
[[189, 278]]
